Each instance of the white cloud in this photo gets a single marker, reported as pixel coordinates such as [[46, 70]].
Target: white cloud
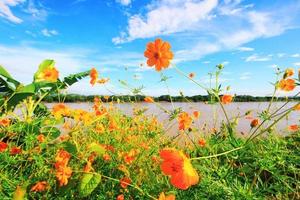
[[206, 23], [23, 61], [297, 64], [49, 33], [281, 55], [245, 49], [36, 10], [297, 55], [6, 12], [225, 62], [124, 2], [168, 17], [257, 58], [196, 52]]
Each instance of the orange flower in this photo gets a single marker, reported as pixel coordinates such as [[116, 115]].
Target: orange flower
[[158, 54], [179, 167], [287, 85], [226, 99], [184, 121], [106, 157], [130, 156], [4, 122], [120, 197], [40, 138], [112, 124], [39, 186], [124, 182], [162, 196], [60, 110], [293, 127], [99, 128], [297, 107], [50, 74], [202, 142], [3, 146], [62, 157], [63, 173], [254, 123], [149, 100], [196, 114], [191, 75], [93, 76], [288, 72], [15, 151], [88, 167]]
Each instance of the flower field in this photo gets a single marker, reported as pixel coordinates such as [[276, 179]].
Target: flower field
[[101, 153]]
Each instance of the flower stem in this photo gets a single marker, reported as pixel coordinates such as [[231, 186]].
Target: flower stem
[[217, 155]]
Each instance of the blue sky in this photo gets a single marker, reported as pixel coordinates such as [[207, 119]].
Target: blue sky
[[248, 37]]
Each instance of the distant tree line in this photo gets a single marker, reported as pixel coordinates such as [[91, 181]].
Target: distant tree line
[[138, 98]]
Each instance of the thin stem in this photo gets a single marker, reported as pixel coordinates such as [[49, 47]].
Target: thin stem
[[252, 137], [180, 72], [217, 155]]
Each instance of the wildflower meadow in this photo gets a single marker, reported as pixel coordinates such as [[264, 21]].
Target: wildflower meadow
[[102, 153]]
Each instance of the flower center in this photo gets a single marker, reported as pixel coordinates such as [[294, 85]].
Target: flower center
[[157, 55]]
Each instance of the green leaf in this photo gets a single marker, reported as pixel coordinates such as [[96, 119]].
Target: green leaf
[[73, 78], [88, 184], [4, 73], [9, 79], [94, 147], [69, 147], [21, 94], [41, 110]]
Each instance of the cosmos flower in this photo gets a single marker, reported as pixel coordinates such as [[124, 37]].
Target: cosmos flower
[[148, 100], [3, 146], [176, 165], [254, 123], [288, 72], [15, 150], [93, 76], [162, 196], [287, 85], [184, 120], [158, 54], [49, 74], [63, 173], [196, 114], [5, 122], [124, 182], [40, 138], [39, 186], [191, 75], [293, 128], [202, 142], [226, 99]]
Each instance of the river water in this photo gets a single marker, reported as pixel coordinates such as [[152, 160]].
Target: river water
[[211, 116]]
